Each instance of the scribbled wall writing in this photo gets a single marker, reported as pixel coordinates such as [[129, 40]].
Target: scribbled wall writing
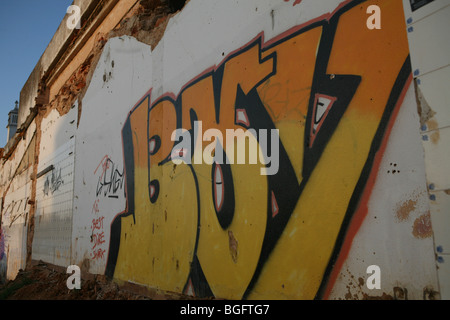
[[110, 180], [53, 182], [97, 239], [225, 230], [110, 185]]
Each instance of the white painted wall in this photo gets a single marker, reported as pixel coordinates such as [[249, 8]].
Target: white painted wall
[[205, 32], [127, 67]]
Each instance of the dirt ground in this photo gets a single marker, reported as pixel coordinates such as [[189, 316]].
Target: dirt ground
[[44, 282]]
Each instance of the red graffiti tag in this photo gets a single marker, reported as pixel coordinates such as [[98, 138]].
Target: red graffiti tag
[[295, 2], [97, 223], [95, 207], [97, 237], [98, 254], [104, 164]]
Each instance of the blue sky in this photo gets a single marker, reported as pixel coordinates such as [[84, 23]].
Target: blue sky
[[26, 28]]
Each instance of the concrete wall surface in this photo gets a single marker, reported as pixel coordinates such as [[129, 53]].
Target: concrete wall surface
[[142, 180]]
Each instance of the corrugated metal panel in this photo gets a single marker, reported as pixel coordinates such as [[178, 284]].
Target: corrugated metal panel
[[440, 219], [16, 241], [419, 9], [429, 41], [437, 158], [444, 275], [53, 218], [14, 230], [54, 192]]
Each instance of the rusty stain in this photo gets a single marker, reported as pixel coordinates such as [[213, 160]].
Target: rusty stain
[[233, 246], [384, 296], [348, 295], [423, 108], [430, 294], [359, 286], [434, 137], [400, 293], [404, 209], [432, 124], [361, 281], [447, 191], [353, 284], [422, 226]]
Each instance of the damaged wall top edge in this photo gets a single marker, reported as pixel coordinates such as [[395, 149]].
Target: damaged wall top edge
[[54, 52]]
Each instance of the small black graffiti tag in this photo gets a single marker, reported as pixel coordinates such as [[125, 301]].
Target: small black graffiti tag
[[111, 179], [53, 182]]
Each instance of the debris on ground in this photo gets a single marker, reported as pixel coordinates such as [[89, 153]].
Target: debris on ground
[[43, 282]]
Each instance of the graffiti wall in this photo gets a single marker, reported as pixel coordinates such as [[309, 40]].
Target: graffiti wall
[[307, 105], [262, 150]]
